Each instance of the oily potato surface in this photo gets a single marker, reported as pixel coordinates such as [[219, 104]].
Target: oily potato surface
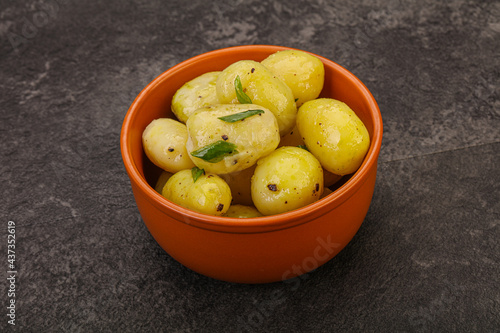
[[209, 194], [254, 137], [293, 138], [239, 182], [286, 179], [263, 88], [195, 94], [301, 71], [242, 211], [164, 142], [162, 180], [334, 134]]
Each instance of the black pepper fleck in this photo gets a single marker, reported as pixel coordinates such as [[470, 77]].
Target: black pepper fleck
[[253, 70], [225, 137], [272, 187], [170, 149], [220, 207]]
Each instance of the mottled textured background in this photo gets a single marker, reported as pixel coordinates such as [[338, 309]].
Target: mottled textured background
[[427, 255]]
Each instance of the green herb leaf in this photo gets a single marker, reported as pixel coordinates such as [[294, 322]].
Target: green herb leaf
[[303, 147], [232, 118], [240, 94], [216, 151], [196, 172]]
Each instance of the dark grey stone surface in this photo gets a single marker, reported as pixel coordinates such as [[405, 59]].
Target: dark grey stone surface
[[426, 259]]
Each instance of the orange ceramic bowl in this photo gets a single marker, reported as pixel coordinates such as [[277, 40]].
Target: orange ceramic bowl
[[256, 250]]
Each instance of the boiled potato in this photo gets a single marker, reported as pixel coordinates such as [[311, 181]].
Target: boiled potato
[[195, 94], [291, 138], [209, 194], [162, 180], [326, 192], [239, 182], [164, 141], [286, 179], [252, 137], [301, 71], [334, 134], [330, 178], [242, 211], [263, 88]]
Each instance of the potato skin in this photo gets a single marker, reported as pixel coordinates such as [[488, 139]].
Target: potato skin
[[255, 136], [301, 71], [197, 93], [291, 138], [162, 180], [334, 134], [164, 142], [326, 192], [287, 179], [208, 195], [263, 88], [242, 211], [239, 182], [330, 178]]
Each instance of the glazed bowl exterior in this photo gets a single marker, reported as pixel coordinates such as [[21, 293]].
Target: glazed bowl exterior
[[256, 250]]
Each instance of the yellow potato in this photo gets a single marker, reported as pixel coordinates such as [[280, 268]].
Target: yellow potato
[[291, 138], [286, 179], [334, 134], [263, 88], [162, 180], [242, 211], [239, 182], [326, 192], [195, 94], [301, 71], [164, 142], [253, 137], [209, 194], [330, 178]]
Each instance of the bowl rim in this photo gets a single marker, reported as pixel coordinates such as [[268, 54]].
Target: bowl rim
[[255, 224]]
